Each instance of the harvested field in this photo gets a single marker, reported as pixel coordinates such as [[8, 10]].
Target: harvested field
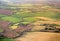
[[40, 36]]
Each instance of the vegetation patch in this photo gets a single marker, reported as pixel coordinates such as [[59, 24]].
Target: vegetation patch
[[1, 30], [7, 39], [11, 19], [30, 19]]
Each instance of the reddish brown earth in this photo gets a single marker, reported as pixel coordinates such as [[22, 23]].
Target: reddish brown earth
[[6, 12], [23, 28], [7, 31], [4, 25]]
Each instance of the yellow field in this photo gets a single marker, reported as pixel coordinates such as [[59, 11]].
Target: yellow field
[[40, 36]]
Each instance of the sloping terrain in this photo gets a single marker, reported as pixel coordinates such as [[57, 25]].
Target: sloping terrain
[[31, 19], [41, 36]]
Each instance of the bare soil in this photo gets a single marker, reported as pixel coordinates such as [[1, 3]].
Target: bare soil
[[40, 36]]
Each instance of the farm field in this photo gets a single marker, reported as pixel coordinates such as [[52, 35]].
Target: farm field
[[39, 36], [29, 22]]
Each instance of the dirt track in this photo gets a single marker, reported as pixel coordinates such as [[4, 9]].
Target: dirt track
[[40, 36]]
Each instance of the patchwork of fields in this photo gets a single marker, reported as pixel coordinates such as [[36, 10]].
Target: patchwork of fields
[[15, 21]]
